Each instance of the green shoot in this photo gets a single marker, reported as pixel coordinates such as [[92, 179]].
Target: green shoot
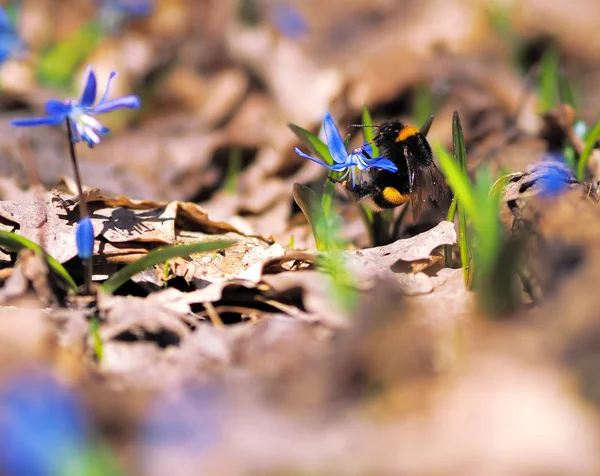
[[570, 157], [448, 248], [590, 141], [311, 206], [291, 242], [548, 87], [566, 92], [96, 339], [310, 140], [492, 276], [320, 149], [158, 256], [166, 273], [326, 233], [460, 157], [16, 243], [233, 170]]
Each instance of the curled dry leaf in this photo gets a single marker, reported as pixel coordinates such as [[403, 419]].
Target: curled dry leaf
[[381, 262], [143, 317]]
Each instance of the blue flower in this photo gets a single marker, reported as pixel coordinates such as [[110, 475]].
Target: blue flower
[[84, 237], [42, 427], [10, 42], [114, 13], [553, 176], [84, 126], [288, 21], [353, 163]]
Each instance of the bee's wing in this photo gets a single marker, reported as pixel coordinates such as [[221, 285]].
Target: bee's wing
[[439, 190], [428, 183]]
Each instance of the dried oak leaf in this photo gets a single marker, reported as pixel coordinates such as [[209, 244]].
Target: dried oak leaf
[[379, 263], [161, 312]]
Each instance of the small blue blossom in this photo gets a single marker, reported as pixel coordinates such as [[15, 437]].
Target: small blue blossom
[[288, 21], [114, 13], [554, 176], [84, 237], [10, 43], [42, 427], [353, 163], [84, 126]]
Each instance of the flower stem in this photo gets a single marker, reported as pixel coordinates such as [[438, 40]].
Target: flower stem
[[83, 208]]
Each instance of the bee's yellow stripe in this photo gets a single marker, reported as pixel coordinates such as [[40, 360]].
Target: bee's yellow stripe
[[393, 196], [406, 132]]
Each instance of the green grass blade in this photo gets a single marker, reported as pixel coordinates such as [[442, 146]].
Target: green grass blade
[[327, 198], [316, 145], [159, 256], [448, 248], [456, 180], [427, 125], [590, 140], [309, 203], [369, 130], [460, 158], [96, 339], [566, 92], [234, 168], [16, 243], [548, 87]]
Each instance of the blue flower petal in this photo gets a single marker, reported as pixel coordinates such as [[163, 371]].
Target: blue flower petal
[[89, 92], [5, 23], [367, 148], [37, 121], [126, 101], [334, 167], [57, 108], [84, 237], [288, 21], [383, 163], [335, 143]]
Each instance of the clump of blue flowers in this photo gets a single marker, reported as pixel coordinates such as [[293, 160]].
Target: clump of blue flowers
[[353, 164], [80, 114], [82, 125], [10, 42]]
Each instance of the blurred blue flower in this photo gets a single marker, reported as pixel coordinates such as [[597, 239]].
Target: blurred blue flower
[[288, 21], [353, 163], [84, 125], [42, 427], [114, 13], [10, 42], [84, 237], [555, 176]]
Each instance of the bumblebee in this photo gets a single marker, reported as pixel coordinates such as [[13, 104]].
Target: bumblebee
[[417, 179]]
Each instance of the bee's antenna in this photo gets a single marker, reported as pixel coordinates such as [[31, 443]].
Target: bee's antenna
[[361, 125]]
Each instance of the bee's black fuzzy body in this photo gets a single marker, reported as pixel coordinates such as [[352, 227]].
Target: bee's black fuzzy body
[[417, 178]]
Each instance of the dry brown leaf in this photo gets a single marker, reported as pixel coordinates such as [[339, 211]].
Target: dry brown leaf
[[141, 317], [381, 262]]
